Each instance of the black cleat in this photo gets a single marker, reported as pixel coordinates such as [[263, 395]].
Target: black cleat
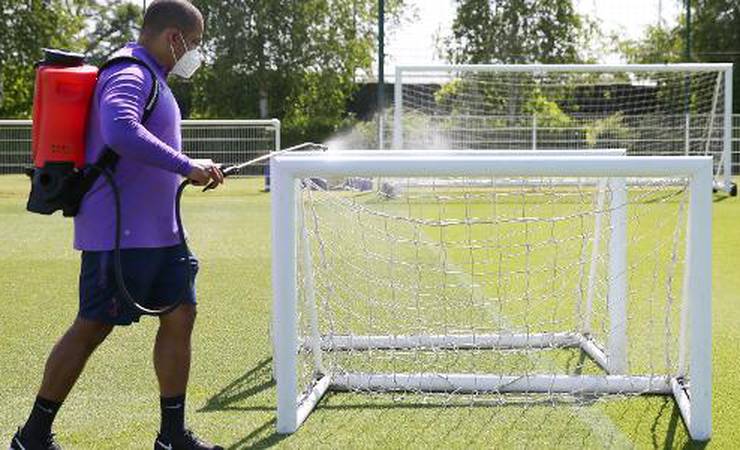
[[21, 442], [186, 441]]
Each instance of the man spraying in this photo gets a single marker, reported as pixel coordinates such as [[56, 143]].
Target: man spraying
[[159, 271]]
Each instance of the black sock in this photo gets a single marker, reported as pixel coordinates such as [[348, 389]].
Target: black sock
[[173, 415], [42, 416]]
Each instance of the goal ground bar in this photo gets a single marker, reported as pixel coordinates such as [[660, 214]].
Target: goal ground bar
[[475, 383], [451, 341]]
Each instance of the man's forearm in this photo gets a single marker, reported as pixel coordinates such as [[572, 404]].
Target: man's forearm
[[130, 139]]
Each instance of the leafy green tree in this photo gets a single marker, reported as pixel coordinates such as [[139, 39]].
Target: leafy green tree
[[659, 44], [111, 25], [30, 25], [517, 31], [94, 27], [716, 36], [514, 31], [715, 32], [295, 60]]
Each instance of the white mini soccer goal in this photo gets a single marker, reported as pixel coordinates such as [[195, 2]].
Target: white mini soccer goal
[[667, 109], [487, 287]]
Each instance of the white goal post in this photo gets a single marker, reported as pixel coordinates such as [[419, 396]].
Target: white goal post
[[313, 344], [651, 109]]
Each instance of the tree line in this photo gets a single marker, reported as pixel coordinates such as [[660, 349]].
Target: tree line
[[301, 61]]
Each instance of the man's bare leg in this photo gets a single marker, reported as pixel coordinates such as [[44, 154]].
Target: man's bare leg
[[63, 367], [172, 365]]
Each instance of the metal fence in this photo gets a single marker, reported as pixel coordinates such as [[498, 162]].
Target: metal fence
[[15, 146], [224, 141], [231, 141]]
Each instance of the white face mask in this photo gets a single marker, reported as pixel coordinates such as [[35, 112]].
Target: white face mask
[[188, 63]]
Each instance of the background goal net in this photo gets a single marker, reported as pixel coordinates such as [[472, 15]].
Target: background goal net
[[674, 109]]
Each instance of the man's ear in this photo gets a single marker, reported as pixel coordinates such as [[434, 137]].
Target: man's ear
[[170, 34]]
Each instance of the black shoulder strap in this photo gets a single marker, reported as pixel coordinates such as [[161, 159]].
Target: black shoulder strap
[[153, 94], [109, 158]]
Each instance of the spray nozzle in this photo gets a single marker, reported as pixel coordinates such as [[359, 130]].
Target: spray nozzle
[[226, 170]]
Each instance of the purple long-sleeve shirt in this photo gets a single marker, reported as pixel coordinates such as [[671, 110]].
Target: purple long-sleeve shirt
[[150, 165]]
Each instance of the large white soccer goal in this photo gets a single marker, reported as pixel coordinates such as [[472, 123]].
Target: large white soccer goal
[[490, 287], [671, 109]]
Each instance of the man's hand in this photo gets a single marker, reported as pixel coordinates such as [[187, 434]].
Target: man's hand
[[205, 171]]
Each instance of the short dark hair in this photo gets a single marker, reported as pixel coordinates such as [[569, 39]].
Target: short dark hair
[[163, 14]]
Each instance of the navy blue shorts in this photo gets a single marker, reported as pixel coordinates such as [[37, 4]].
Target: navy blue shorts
[[155, 277]]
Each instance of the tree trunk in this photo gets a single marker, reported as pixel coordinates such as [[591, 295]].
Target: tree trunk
[[263, 102]]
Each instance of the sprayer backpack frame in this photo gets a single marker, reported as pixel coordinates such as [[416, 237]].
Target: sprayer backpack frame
[[60, 178]]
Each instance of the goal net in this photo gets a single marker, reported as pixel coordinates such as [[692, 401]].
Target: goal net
[[507, 284], [675, 109]]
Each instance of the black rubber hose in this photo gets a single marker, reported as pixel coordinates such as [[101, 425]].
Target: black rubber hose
[[117, 250]]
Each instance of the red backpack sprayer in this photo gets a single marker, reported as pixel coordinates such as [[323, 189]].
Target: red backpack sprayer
[[60, 177]]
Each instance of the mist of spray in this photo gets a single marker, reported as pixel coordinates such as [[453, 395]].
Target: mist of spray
[[420, 132]]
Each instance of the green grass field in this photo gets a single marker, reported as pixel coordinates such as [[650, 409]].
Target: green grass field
[[232, 396]]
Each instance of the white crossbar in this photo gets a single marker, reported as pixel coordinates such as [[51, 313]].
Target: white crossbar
[[543, 68], [392, 165]]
